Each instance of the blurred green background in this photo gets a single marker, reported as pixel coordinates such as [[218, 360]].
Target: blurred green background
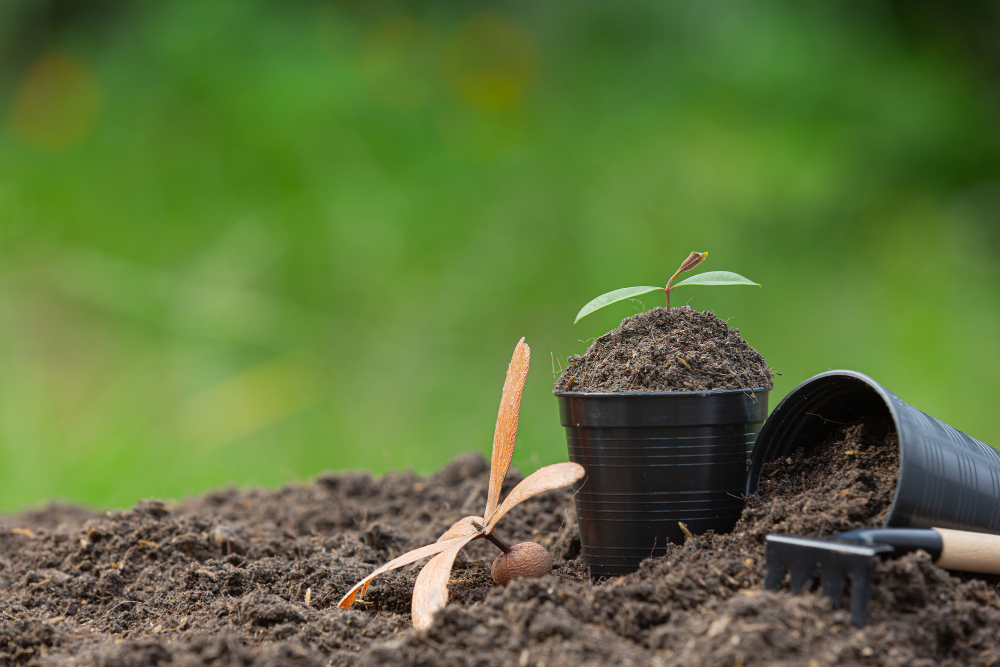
[[246, 241]]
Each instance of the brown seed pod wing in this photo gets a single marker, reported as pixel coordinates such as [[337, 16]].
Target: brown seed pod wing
[[462, 528], [543, 479], [506, 432], [430, 592], [405, 559]]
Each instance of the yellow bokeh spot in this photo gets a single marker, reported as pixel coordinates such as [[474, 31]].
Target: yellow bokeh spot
[[248, 402], [490, 62], [57, 103]]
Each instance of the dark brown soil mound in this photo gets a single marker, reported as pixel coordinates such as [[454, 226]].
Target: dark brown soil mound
[[680, 350], [252, 578]]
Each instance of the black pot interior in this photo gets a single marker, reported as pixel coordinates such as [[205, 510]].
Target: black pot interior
[[807, 416]]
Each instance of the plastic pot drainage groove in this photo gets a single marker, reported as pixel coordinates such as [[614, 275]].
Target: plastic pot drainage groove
[[654, 459], [947, 479]]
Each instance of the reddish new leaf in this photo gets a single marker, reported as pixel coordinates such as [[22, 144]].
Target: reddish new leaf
[[543, 479], [430, 592], [693, 260], [506, 432]]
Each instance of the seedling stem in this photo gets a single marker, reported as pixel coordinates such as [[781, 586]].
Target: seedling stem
[[497, 542]]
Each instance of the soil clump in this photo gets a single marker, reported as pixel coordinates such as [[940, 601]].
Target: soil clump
[[680, 350], [253, 578]]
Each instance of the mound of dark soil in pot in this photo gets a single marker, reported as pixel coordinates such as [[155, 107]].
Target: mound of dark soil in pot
[[680, 350], [253, 578]]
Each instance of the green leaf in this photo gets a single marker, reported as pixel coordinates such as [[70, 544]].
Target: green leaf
[[716, 278], [612, 297]]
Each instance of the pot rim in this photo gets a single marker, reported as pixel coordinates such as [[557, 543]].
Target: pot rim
[[656, 394], [771, 424], [755, 469]]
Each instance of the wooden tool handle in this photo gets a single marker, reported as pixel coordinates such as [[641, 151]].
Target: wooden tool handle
[[969, 552]]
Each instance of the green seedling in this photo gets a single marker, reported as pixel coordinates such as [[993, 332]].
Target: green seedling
[[693, 260], [527, 559]]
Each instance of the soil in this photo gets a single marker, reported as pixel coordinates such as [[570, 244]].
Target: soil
[[680, 350], [847, 482], [253, 578]]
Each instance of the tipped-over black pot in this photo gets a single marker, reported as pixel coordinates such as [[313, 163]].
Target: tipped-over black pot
[[947, 479], [654, 459]]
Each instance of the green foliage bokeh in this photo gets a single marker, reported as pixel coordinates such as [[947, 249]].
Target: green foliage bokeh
[[243, 242]]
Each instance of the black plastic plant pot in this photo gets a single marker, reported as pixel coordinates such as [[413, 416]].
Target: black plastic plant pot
[[947, 479], [654, 459]]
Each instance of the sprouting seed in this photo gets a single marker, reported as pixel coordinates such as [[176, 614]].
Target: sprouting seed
[[528, 559], [524, 560]]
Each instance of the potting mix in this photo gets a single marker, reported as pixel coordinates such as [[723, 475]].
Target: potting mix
[[682, 349], [252, 577]]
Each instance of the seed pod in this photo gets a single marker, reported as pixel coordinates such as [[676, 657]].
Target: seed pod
[[527, 559]]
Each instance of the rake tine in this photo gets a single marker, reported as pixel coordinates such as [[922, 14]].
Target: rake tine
[[861, 592], [775, 571], [801, 574], [833, 579], [834, 560], [777, 563]]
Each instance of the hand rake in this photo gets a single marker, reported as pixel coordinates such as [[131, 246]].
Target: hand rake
[[851, 555]]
